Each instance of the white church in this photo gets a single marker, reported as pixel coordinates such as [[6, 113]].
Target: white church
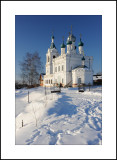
[[69, 68]]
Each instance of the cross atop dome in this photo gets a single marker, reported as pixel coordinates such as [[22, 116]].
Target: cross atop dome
[[52, 35], [52, 43], [63, 45], [71, 29]]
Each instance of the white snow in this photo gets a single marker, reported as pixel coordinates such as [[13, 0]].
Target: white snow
[[69, 117]]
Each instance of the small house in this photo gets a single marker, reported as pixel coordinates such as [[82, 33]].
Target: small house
[[41, 79]]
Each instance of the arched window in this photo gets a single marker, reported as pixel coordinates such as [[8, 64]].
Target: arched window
[[54, 56], [62, 67], [55, 69], [48, 58], [58, 68]]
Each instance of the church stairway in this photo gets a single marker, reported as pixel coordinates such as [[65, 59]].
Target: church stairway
[[68, 84]]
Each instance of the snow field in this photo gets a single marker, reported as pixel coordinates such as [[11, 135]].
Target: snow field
[[70, 117]]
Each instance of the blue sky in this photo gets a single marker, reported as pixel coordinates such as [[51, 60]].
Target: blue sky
[[33, 33]]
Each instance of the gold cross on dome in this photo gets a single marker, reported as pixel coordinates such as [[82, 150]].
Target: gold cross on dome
[[52, 33], [80, 35], [63, 38]]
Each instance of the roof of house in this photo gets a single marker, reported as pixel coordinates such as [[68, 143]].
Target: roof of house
[[81, 66], [97, 75], [42, 73]]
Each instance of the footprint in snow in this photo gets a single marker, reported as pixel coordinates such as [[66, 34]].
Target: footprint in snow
[[33, 137], [54, 137]]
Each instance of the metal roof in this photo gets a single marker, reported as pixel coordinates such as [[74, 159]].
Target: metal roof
[[81, 66]]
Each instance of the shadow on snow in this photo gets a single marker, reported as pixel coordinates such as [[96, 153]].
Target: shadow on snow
[[63, 107]]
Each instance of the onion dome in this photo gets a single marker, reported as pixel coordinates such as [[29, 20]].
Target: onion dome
[[73, 38], [63, 45], [80, 43], [83, 59], [68, 39], [69, 42], [52, 37]]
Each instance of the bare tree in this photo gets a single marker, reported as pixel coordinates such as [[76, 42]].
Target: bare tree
[[31, 67]]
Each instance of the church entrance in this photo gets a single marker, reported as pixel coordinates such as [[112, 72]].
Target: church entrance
[[79, 80]]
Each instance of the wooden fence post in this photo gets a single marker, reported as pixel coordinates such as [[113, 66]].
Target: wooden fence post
[[22, 123], [89, 86]]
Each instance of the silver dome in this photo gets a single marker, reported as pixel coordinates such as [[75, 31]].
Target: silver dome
[[71, 38]]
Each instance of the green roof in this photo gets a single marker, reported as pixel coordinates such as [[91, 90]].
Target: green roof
[[81, 66], [83, 58], [80, 43], [52, 37], [63, 45], [52, 46], [69, 42]]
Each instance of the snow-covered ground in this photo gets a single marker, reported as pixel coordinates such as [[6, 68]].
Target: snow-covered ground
[[65, 118]]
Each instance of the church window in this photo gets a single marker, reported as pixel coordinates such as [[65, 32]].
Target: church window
[[59, 68], [51, 81], [48, 59], [62, 80], [55, 69], [62, 67], [47, 81]]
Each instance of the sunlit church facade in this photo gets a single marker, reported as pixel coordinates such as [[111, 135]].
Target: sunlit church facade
[[68, 68]]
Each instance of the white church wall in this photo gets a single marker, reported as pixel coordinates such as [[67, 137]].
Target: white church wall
[[68, 49], [59, 78], [72, 62], [48, 80], [49, 59], [76, 74], [62, 51], [75, 62], [68, 77], [59, 69]]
